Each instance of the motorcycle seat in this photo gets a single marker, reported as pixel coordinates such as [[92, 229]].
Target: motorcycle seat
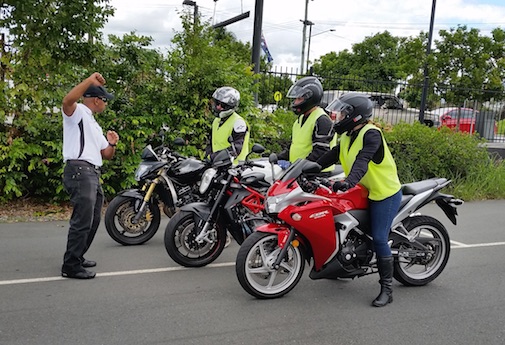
[[421, 186]]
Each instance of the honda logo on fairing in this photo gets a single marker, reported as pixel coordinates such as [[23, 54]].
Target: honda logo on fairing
[[319, 214]]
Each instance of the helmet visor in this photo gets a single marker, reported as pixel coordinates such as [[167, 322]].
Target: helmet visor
[[296, 91], [217, 103], [340, 110]]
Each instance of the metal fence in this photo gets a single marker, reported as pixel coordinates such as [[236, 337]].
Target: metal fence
[[484, 118]]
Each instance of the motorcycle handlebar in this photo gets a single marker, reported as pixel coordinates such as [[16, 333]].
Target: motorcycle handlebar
[[252, 164]]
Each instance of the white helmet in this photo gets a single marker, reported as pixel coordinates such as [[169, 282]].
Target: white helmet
[[228, 98]]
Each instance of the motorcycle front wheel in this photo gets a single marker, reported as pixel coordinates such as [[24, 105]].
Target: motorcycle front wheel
[[119, 221], [254, 270], [181, 245], [418, 271]]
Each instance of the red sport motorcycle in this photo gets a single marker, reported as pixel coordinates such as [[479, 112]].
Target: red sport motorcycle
[[306, 220]]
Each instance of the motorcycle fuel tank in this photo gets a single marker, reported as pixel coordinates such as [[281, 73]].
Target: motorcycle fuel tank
[[187, 171]]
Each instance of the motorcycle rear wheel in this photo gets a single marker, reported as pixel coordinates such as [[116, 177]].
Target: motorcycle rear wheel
[[254, 267], [119, 216], [421, 271], [181, 246]]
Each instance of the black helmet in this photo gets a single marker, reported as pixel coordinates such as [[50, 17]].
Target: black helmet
[[356, 108], [308, 88], [228, 98]]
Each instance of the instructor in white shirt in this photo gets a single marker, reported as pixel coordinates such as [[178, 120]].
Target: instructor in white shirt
[[84, 147]]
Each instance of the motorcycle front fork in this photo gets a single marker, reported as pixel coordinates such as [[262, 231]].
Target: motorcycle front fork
[[147, 197], [207, 227]]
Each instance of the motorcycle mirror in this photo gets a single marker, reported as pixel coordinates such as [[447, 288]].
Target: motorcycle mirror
[[179, 142], [257, 148], [273, 159]]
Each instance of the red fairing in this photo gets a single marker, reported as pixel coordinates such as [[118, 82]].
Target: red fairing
[[355, 198], [315, 222], [281, 231], [280, 187]]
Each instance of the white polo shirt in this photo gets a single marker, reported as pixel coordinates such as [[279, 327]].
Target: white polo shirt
[[83, 137]]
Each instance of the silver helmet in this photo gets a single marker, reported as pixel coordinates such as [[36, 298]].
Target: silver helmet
[[227, 98]]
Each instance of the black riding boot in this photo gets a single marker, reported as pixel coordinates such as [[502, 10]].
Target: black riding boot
[[385, 266]]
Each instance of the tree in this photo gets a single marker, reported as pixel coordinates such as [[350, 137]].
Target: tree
[[376, 58], [413, 60], [201, 61], [467, 61], [50, 46]]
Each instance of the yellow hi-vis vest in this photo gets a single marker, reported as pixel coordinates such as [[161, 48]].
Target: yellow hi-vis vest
[[301, 142], [220, 135], [381, 179]]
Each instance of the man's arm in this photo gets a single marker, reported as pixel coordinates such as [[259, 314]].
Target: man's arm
[[238, 135], [70, 100], [329, 158], [321, 138], [112, 139]]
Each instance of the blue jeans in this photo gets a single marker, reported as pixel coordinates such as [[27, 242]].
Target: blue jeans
[[82, 183], [382, 214]]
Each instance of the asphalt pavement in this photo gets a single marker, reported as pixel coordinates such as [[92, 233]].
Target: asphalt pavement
[[140, 296]]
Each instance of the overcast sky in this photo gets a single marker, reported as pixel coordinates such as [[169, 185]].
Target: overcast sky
[[351, 21]]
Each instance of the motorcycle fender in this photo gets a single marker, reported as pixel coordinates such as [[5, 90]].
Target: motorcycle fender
[[132, 193], [201, 210], [281, 231], [450, 211]]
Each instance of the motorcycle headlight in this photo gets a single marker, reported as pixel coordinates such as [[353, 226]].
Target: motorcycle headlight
[[141, 170], [272, 203], [207, 177]]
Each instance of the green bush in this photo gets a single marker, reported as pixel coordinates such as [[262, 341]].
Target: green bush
[[272, 130], [501, 127], [423, 152]]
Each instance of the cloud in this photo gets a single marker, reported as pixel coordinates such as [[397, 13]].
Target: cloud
[[282, 21]]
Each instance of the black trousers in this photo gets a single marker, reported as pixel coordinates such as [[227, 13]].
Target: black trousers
[[82, 182]]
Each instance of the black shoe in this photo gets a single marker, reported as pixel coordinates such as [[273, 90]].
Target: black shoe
[[88, 263], [79, 275]]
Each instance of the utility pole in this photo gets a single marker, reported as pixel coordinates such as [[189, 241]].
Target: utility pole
[[195, 9], [258, 23], [308, 46], [256, 47], [2, 55], [426, 74], [305, 23]]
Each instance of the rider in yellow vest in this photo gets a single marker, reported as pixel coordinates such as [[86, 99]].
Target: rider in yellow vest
[[366, 159], [229, 130], [312, 134]]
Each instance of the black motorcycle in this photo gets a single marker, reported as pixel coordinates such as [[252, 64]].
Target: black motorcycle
[[195, 236], [165, 179]]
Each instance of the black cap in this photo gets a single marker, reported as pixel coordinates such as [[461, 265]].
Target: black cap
[[97, 91]]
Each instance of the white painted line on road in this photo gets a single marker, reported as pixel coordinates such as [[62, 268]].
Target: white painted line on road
[[27, 281], [455, 245], [458, 244], [111, 274], [477, 245]]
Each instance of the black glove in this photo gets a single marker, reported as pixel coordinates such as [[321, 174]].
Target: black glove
[[340, 185]]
